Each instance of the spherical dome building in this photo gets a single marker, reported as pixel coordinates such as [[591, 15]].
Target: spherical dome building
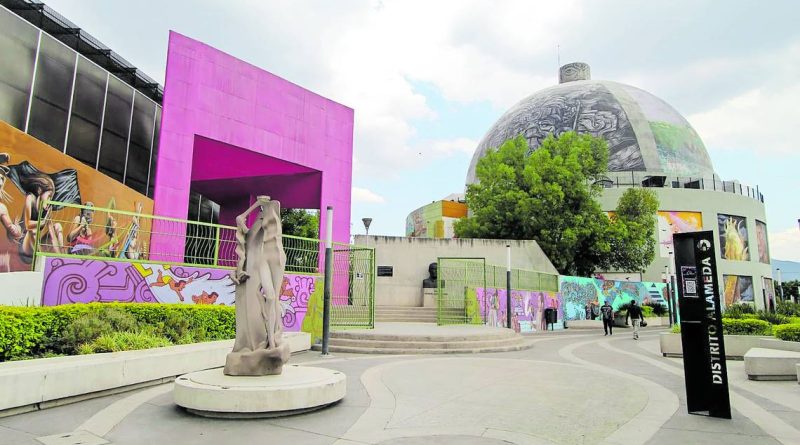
[[644, 133], [651, 145]]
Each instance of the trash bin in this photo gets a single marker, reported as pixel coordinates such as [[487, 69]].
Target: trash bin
[[550, 317]]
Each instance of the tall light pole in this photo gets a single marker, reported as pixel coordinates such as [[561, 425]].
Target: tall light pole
[[780, 281], [367, 222], [328, 277]]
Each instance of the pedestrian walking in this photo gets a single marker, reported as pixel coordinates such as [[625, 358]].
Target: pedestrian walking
[[635, 313], [608, 318]]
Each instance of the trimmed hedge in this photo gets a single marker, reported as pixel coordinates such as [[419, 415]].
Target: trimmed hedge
[[788, 332], [745, 326], [36, 331]]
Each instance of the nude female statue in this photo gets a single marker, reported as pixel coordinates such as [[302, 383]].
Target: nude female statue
[[259, 347]]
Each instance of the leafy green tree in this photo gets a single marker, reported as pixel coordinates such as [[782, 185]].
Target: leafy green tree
[[300, 222], [791, 289], [550, 196]]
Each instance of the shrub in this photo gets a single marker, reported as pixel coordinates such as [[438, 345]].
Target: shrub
[[773, 318], [788, 308], [659, 310], [735, 326], [788, 332], [35, 331], [647, 311], [123, 341], [738, 310], [676, 328]]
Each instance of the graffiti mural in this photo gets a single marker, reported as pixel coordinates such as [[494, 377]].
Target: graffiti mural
[[670, 223], [31, 173], [78, 280], [763, 245], [527, 308], [582, 297], [733, 240], [738, 289]]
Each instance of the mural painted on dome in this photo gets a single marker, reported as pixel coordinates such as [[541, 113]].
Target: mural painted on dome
[[763, 245], [78, 280], [589, 108], [680, 149], [733, 240], [582, 297], [738, 289], [527, 308], [670, 223]]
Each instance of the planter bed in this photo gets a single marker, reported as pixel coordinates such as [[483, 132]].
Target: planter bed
[[29, 385], [736, 346]]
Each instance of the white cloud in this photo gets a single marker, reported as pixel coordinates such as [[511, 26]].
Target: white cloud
[[367, 196], [451, 147], [785, 245]]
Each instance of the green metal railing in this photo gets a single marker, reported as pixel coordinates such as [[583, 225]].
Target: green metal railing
[[86, 232], [459, 278]]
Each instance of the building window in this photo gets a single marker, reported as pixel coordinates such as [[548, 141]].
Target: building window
[[52, 91], [87, 112], [116, 125], [18, 42], [139, 146]]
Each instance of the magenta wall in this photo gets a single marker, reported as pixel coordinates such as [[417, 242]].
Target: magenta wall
[[232, 130]]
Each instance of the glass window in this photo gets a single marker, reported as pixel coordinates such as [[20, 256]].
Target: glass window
[[87, 112], [18, 49], [52, 92], [139, 146], [114, 145], [152, 178]]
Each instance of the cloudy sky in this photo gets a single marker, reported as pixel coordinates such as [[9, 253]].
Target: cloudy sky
[[428, 78]]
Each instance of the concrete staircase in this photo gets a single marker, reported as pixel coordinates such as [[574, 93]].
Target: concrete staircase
[[406, 314], [422, 340]]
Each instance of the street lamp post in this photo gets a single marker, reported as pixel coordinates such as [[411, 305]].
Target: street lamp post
[[367, 222], [508, 286], [780, 281]]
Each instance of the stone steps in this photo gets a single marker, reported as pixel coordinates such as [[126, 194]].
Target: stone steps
[[424, 338], [405, 314]]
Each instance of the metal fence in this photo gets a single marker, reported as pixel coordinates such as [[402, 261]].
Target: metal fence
[[79, 231], [459, 278]]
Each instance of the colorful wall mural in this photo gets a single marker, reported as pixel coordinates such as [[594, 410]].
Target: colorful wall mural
[[582, 295], [527, 308], [763, 245], [78, 280], [31, 173], [670, 223], [738, 289], [733, 240]]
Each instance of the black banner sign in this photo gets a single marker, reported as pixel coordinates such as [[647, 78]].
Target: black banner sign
[[704, 366]]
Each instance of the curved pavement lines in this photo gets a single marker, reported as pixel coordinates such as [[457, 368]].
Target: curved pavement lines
[[770, 423], [661, 404], [103, 421]]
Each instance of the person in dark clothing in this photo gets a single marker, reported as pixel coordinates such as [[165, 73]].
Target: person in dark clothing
[[635, 313], [608, 318]]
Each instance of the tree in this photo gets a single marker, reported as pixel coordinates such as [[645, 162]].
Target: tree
[[791, 289], [300, 222], [550, 196]]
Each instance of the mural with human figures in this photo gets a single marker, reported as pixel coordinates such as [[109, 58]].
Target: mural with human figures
[[527, 308], [78, 280], [32, 173]]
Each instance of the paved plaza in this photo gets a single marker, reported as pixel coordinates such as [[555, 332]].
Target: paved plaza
[[571, 387]]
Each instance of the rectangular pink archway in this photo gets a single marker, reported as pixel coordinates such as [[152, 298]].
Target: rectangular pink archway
[[235, 131]]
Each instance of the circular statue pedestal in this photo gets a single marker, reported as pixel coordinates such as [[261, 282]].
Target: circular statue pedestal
[[298, 389]]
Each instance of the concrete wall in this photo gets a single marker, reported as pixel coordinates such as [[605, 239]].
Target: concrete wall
[[709, 203], [20, 288], [410, 258]]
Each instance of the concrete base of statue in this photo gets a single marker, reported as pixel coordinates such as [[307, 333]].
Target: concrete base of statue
[[298, 389]]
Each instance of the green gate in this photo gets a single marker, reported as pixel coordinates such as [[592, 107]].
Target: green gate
[[353, 287], [456, 284]]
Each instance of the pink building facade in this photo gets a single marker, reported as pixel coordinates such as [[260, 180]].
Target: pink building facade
[[232, 131]]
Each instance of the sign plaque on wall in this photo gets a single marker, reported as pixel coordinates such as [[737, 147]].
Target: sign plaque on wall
[[704, 367]]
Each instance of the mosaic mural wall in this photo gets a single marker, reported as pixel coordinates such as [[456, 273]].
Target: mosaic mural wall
[[527, 308], [763, 245], [75, 280], [734, 243], [582, 296], [670, 223], [435, 220], [32, 172], [738, 289]]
